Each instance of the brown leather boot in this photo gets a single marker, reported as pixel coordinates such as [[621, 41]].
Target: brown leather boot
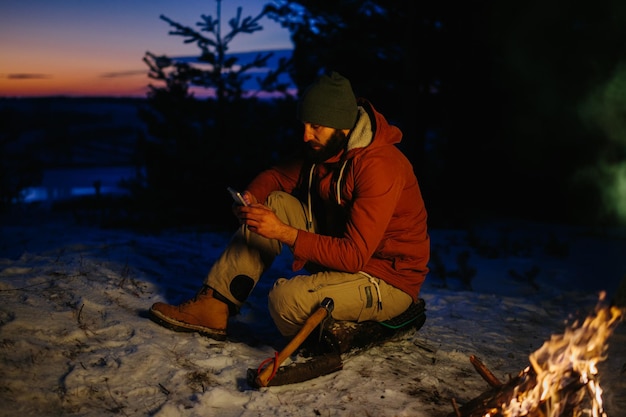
[[204, 314]]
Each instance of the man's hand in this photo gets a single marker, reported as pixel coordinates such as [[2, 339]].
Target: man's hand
[[262, 220], [249, 197]]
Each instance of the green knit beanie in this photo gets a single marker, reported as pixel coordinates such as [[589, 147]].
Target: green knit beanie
[[329, 102]]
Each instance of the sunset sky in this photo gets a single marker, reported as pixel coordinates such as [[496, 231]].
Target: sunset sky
[[95, 48]]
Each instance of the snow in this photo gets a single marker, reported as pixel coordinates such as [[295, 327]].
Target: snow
[[75, 339]]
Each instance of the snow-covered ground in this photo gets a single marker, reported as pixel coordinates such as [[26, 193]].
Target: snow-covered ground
[[75, 339]]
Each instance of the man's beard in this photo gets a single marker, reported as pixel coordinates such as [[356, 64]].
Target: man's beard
[[335, 144]]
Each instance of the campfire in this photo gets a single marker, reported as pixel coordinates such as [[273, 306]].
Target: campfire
[[562, 379]]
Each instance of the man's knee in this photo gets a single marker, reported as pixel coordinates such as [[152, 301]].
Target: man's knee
[[281, 298], [288, 209], [277, 198], [286, 307], [277, 290]]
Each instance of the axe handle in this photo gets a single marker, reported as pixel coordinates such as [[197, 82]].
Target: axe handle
[[311, 323]]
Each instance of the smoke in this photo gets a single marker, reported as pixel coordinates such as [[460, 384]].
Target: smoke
[[609, 179], [605, 107], [604, 112]]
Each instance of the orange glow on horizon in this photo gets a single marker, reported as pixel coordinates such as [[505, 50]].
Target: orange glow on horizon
[[97, 48], [135, 85]]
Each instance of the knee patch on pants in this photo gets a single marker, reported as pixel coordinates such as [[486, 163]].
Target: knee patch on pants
[[240, 287]]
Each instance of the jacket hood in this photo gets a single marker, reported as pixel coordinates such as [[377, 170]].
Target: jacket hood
[[372, 129]]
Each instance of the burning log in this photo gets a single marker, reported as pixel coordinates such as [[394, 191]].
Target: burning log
[[561, 380], [493, 403]]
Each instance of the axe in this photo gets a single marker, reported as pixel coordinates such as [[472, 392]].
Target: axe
[[267, 370]]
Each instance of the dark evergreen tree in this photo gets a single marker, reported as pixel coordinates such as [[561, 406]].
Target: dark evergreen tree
[[196, 147]]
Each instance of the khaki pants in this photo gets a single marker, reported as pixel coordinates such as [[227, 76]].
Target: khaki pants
[[357, 297]]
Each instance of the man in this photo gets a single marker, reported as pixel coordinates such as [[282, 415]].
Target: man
[[351, 211]]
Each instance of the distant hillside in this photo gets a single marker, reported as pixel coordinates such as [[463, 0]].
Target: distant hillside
[[65, 131]]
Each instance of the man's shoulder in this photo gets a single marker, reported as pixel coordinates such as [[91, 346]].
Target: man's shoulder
[[388, 154]]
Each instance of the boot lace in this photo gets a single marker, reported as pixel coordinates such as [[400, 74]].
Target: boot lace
[[202, 292]]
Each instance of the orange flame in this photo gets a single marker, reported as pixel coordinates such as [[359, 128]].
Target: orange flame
[[567, 360]]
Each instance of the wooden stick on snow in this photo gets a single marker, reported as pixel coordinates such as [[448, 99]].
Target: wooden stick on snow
[[484, 372]]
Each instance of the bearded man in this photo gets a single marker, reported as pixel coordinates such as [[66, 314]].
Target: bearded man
[[350, 210]]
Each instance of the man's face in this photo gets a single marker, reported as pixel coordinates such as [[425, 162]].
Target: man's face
[[323, 142]]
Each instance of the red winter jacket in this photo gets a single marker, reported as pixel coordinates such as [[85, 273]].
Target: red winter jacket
[[377, 223]]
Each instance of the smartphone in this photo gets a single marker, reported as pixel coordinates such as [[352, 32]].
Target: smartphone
[[237, 197]]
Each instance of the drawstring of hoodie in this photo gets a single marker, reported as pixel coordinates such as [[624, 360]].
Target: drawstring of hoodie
[[374, 282], [339, 181], [310, 213], [339, 178]]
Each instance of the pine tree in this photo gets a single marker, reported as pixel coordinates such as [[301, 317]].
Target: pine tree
[[196, 147]]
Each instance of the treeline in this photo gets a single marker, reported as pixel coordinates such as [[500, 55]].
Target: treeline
[[507, 108]]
